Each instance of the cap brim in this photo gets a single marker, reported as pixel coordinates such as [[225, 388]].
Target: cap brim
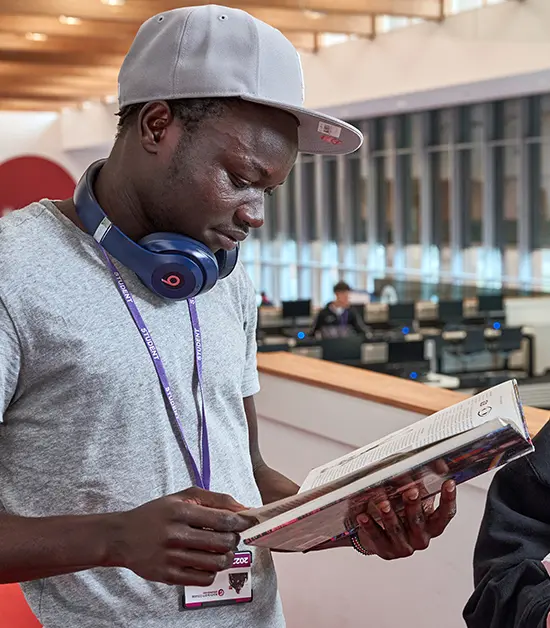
[[318, 133]]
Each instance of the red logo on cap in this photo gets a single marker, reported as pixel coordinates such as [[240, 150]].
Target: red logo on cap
[[331, 140]]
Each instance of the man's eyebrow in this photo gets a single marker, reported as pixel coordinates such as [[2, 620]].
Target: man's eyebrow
[[254, 163]]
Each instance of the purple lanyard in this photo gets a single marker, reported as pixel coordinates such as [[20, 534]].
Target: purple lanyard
[[201, 480], [344, 318]]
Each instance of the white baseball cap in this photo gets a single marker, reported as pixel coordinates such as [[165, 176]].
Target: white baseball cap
[[213, 51]]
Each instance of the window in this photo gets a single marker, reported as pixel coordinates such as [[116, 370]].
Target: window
[[271, 217], [331, 198], [290, 186], [308, 216], [357, 196]]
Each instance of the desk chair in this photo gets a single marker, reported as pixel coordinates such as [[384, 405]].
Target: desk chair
[[451, 314], [407, 359], [270, 348], [402, 316], [474, 342], [14, 610], [510, 340], [343, 350]]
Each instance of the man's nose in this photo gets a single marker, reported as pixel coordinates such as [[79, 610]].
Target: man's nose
[[252, 214]]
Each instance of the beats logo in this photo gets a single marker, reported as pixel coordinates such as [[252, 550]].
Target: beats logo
[[173, 280]]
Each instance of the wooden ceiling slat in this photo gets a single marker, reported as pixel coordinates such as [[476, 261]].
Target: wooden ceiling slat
[[33, 71], [27, 104], [50, 25], [53, 92], [288, 20], [77, 62], [140, 10], [47, 58], [19, 43]]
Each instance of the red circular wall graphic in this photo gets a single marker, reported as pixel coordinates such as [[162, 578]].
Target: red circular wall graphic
[[27, 179]]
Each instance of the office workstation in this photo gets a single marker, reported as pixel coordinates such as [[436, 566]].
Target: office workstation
[[457, 344]]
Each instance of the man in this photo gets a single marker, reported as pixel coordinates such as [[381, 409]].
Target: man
[[115, 488], [337, 318], [512, 557]]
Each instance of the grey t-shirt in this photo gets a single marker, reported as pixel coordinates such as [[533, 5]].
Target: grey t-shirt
[[84, 424]]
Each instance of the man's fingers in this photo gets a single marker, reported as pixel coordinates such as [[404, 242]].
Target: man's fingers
[[184, 537], [210, 518], [419, 538], [372, 537], [210, 499], [400, 546], [441, 518], [204, 561]]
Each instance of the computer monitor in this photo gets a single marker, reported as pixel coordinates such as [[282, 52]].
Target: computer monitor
[[297, 309], [342, 349], [490, 303], [401, 315], [400, 352], [451, 311]]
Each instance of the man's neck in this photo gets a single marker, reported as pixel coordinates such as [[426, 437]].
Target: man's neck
[[118, 199]]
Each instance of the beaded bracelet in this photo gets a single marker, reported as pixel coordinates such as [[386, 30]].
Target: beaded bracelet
[[357, 545]]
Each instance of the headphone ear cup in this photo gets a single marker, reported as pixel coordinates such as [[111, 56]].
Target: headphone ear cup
[[194, 257], [227, 260]]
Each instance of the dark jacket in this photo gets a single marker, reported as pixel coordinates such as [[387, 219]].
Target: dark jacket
[[349, 319], [512, 587]]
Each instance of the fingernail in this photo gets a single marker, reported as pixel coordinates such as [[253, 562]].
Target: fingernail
[[363, 519], [451, 487], [385, 507], [413, 494]]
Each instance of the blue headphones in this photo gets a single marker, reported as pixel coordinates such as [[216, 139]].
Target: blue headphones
[[172, 266]]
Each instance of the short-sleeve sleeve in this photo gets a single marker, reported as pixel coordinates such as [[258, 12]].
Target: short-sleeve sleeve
[[10, 360], [251, 382]]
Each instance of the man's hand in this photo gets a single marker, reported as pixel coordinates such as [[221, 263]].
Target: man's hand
[[182, 539], [401, 537]]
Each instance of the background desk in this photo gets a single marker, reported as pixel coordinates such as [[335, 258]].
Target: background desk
[[311, 411]]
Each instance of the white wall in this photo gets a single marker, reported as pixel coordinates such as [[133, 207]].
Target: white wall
[[40, 134], [496, 41]]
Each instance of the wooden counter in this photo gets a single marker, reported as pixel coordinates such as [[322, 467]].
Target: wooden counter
[[383, 389]]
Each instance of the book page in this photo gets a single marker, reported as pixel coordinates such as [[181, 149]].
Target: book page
[[499, 401]]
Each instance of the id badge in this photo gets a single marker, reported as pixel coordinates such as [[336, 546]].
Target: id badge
[[233, 586]]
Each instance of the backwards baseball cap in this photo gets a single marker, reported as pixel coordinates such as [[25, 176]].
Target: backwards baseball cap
[[212, 51]]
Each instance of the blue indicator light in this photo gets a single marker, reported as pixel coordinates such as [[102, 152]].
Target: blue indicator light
[[405, 330], [301, 335], [497, 325], [413, 375]]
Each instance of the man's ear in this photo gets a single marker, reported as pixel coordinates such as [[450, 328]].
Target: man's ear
[[153, 122]]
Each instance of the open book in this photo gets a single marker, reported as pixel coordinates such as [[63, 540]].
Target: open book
[[461, 442]]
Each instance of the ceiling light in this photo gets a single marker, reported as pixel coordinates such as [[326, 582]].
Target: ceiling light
[[313, 15], [110, 99], [70, 21], [113, 3], [36, 36]]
